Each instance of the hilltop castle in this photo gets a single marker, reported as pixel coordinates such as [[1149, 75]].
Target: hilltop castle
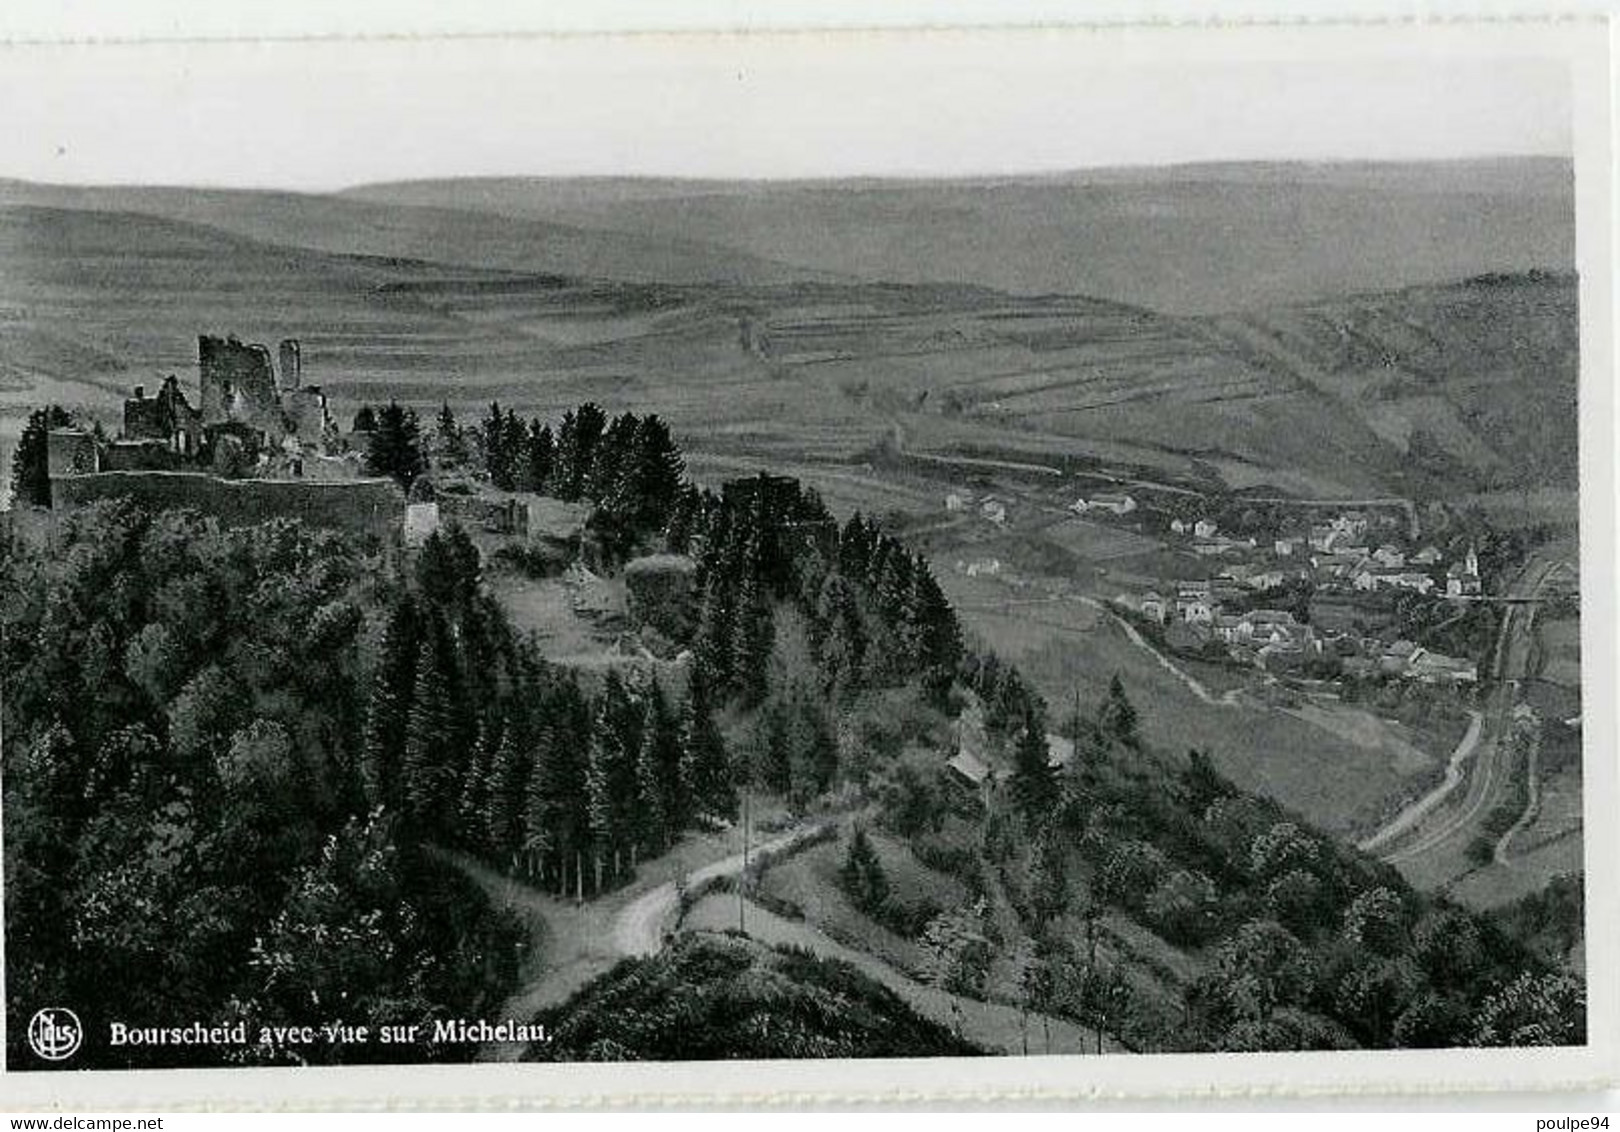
[[251, 411]]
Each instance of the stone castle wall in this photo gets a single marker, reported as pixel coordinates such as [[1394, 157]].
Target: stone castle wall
[[367, 506]]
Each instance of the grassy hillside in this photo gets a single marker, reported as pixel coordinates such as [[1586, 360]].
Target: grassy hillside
[[1475, 382], [711, 997], [1189, 239]]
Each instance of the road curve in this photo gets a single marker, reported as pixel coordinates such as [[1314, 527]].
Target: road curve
[[1508, 664], [641, 926], [1419, 809]]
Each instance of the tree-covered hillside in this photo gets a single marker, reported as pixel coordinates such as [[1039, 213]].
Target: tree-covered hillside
[[231, 755], [710, 997]]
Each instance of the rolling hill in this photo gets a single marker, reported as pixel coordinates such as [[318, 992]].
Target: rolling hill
[[450, 234], [1427, 388], [1193, 239]]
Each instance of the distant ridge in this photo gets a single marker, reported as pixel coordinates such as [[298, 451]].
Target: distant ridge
[[1184, 239]]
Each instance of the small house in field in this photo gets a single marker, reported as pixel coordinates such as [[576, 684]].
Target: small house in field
[[994, 511], [1352, 523], [1113, 502], [970, 768], [1266, 579], [1178, 526], [1398, 656], [1435, 668], [1285, 547], [1196, 611], [956, 501], [1389, 555], [1153, 606], [1428, 556], [1205, 528]]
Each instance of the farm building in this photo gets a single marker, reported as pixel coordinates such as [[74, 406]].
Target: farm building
[[1112, 502]]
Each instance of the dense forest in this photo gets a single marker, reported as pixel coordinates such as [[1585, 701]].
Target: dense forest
[[231, 758]]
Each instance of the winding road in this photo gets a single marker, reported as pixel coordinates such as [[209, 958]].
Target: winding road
[[1418, 810], [1510, 662], [642, 926]]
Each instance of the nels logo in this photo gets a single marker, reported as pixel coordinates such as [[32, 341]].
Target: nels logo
[[55, 1033]]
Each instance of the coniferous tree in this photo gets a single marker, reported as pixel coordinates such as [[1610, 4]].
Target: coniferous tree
[[1045, 886], [705, 768], [1117, 717], [425, 775], [608, 480], [515, 445], [387, 706], [751, 636], [811, 748], [656, 474], [771, 767], [473, 806], [539, 838], [842, 644], [30, 462], [499, 459], [1033, 783], [365, 419], [590, 423], [507, 787], [653, 821], [541, 452], [685, 517], [712, 641], [452, 444], [395, 448], [610, 779], [861, 876]]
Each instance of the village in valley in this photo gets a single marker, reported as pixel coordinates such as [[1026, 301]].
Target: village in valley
[[1293, 589]]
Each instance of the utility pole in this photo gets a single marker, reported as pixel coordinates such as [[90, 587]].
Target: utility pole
[[742, 879]]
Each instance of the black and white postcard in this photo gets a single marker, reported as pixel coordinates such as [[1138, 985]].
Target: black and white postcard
[[982, 563]]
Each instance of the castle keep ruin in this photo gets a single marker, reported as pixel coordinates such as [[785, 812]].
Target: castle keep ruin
[[251, 411], [258, 443]]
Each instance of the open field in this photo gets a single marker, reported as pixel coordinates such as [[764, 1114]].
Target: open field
[[1558, 654], [809, 881], [1342, 782]]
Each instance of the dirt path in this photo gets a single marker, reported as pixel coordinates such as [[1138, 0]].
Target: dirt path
[[570, 944], [993, 1025]]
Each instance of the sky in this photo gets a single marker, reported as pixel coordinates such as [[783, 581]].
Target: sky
[[324, 115]]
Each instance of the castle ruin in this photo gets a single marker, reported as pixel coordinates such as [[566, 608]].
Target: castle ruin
[[252, 409]]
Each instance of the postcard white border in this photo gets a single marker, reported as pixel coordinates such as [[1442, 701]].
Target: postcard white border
[[1584, 43]]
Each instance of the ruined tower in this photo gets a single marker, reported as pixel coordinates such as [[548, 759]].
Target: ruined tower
[[238, 384], [292, 364]]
